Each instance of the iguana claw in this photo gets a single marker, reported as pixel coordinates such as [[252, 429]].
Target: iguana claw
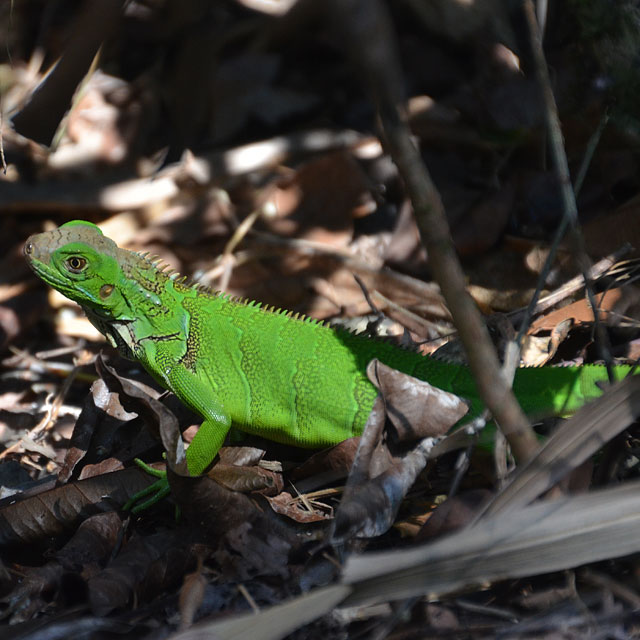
[[158, 490]]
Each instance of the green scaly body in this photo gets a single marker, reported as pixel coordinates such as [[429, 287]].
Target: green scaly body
[[267, 372]]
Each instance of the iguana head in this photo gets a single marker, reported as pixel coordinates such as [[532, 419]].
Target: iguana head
[[81, 263]]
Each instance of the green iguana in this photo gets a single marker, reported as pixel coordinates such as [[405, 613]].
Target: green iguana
[[268, 372]]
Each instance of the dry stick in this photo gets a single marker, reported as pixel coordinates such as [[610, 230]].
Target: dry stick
[[512, 357], [556, 148], [557, 239], [3, 162], [374, 46]]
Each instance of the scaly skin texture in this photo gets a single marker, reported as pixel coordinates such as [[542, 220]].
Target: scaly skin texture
[[288, 379]]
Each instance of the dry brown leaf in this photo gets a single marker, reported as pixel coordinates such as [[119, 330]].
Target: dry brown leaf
[[579, 312], [538, 350], [101, 413], [144, 567], [382, 474], [295, 508], [416, 408], [246, 478], [60, 510]]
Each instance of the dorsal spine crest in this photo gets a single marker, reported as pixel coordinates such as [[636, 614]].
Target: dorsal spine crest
[[163, 270]]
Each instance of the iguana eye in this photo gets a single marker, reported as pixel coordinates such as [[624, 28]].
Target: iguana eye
[[76, 264]]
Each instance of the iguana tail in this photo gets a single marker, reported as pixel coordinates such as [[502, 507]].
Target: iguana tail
[[561, 390]]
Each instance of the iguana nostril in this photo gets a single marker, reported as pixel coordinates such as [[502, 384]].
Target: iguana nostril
[[28, 248]]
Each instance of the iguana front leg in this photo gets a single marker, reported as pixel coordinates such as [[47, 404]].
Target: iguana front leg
[[205, 445]]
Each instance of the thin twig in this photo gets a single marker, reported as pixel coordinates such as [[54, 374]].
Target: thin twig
[[559, 235], [373, 45], [556, 149], [3, 162]]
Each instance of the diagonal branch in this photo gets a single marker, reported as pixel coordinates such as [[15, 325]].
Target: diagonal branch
[[373, 46]]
